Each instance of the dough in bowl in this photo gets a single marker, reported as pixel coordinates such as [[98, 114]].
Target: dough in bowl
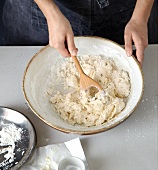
[[90, 107]]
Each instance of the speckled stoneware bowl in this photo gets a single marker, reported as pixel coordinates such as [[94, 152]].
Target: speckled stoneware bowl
[[37, 75]]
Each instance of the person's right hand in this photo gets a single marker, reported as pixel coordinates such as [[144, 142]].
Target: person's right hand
[[61, 36], [60, 31]]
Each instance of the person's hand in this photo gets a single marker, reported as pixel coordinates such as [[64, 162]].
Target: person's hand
[[61, 36], [136, 31]]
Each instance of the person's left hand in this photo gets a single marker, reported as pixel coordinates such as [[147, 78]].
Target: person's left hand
[[136, 31]]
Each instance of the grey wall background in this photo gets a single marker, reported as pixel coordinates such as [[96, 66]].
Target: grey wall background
[[153, 24]]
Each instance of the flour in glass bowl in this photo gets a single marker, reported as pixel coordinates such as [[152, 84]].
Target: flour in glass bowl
[[9, 135]]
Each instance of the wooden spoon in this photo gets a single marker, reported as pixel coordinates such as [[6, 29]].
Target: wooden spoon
[[85, 81]]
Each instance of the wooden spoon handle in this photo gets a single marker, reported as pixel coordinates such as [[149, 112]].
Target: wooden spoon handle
[[78, 66]]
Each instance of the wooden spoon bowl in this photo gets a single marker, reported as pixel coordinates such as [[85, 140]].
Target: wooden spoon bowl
[[85, 81]]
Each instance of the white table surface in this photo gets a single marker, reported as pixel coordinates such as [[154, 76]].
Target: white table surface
[[132, 145]]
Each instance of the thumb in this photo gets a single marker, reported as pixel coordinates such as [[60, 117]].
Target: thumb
[[71, 45]]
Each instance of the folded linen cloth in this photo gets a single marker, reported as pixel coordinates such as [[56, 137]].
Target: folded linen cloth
[[48, 157]]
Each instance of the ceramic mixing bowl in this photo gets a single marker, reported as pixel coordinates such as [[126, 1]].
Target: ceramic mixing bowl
[[37, 74]]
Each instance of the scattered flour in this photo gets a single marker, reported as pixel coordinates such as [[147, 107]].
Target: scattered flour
[[90, 108], [9, 135]]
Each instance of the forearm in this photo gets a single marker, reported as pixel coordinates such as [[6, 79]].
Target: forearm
[[49, 9], [142, 10]]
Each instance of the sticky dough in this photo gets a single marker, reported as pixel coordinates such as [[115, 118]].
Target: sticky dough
[[91, 108]]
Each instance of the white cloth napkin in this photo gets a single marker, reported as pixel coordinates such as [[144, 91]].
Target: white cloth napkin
[[48, 157]]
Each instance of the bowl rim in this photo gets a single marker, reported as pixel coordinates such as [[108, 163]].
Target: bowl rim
[[87, 132], [69, 159]]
